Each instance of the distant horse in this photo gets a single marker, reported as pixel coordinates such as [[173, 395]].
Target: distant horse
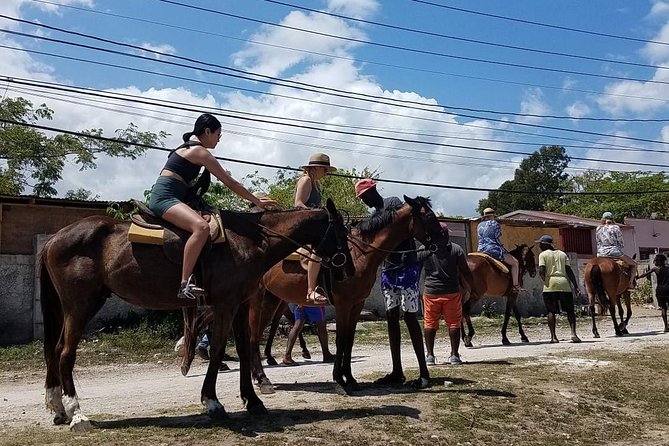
[[370, 244], [490, 281], [606, 282], [83, 263]]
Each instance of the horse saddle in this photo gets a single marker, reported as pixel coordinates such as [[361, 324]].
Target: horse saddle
[[496, 263], [148, 228], [299, 256]]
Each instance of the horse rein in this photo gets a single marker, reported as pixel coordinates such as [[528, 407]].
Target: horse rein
[[325, 261]]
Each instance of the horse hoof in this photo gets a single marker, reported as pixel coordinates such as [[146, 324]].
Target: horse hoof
[[257, 409], [60, 418], [267, 388], [625, 332], [218, 414], [524, 339], [80, 424], [506, 342], [223, 367], [271, 361], [596, 335], [467, 341], [342, 389], [185, 369], [619, 333]]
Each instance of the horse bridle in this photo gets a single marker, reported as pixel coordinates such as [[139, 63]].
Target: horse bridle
[[328, 262], [432, 247]]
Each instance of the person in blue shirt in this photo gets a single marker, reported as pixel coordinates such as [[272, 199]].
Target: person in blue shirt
[[489, 233]]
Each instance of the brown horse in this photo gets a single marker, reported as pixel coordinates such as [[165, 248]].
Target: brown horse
[[490, 281], [606, 282], [83, 263], [370, 244]]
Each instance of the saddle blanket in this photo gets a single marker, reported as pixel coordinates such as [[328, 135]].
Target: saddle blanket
[[499, 265]]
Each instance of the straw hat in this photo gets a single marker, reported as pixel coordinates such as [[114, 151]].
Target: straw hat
[[488, 211], [319, 160]]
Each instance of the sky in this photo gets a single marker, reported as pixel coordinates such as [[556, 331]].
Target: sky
[[444, 88]]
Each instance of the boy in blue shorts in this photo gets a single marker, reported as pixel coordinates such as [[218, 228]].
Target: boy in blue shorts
[[315, 315]]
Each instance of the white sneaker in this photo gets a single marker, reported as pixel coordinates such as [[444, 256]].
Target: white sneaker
[[455, 360], [430, 360]]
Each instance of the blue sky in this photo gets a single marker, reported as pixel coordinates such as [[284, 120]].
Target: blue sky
[[367, 66]]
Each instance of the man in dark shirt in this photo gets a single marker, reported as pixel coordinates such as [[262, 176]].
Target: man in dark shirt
[[662, 290], [442, 296], [400, 275]]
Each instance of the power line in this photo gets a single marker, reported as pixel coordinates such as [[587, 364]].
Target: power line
[[414, 50], [352, 59], [349, 133], [287, 83], [465, 39], [545, 25], [274, 166]]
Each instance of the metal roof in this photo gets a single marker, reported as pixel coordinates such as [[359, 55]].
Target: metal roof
[[554, 217]]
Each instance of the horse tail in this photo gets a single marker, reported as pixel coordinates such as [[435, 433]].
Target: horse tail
[[52, 313], [598, 286]]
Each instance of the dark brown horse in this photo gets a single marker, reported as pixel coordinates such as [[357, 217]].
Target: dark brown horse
[[490, 281], [370, 244], [83, 263], [606, 282]]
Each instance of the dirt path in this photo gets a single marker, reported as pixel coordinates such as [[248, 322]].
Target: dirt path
[[132, 390]]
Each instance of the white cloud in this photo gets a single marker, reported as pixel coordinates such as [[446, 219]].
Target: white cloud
[[152, 49], [273, 61], [660, 9], [355, 8], [578, 109], [533, 103]]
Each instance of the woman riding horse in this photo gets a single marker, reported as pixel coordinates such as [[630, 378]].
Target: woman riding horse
[[489, 233], [87, 261]]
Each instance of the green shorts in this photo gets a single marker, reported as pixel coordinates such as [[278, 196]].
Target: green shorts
[[166, 193]]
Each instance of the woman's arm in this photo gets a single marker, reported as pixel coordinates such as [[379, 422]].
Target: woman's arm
[[302, 191], [203, 157], [648, 273]]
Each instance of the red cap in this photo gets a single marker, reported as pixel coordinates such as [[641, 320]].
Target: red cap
[[363, 186]]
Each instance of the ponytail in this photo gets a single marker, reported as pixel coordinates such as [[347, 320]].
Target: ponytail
[[186, 136]]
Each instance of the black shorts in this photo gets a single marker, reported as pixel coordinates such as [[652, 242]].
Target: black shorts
[[662, 300], [556, 300]]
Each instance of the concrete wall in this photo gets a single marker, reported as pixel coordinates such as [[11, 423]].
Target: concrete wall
[[16, 299], [21, 315]]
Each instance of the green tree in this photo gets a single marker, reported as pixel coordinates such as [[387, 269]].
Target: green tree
[[282, 189], [35, 160], [635, 205], [543, 172], [81, 194]]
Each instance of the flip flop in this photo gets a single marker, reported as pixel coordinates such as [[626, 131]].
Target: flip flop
[[316, 298]]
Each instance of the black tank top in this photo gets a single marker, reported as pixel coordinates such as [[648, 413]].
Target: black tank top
[[180, 165]]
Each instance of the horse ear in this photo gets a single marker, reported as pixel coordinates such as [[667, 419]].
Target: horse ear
[[330, 206], [412, 202]]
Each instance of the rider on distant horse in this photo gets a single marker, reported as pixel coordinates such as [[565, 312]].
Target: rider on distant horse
[[610, 243], [489, 233]]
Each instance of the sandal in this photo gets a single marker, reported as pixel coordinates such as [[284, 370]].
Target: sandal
[[188, 290], [317, 297], [390, 380]]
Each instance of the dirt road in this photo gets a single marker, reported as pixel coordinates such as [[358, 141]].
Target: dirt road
[[132, 390]]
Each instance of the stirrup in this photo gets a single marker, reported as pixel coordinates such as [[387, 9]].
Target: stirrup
[[189, 291], [317, 297]]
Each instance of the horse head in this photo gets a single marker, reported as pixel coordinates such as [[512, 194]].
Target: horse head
[[426, 227], [530, 262], [334, 248]]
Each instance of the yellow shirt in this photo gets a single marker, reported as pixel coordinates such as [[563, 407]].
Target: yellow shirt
[[556, 263]]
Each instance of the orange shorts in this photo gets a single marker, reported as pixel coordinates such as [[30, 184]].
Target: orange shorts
[[447, 305]]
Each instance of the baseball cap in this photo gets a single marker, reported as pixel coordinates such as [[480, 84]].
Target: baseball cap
[[547, 239], [363, 186]]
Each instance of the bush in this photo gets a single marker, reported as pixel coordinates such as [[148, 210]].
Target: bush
[[162, 324], [643, 294]]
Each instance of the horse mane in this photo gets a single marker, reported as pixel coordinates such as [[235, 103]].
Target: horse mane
[[376, 222]]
